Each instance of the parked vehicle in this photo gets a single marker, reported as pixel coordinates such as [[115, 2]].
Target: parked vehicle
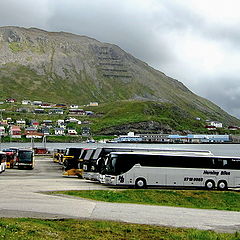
[[142, 169], [58, 155], [11, 157], [40, 151], [3, 159], [71, 162], [94, 166], [25, 158]]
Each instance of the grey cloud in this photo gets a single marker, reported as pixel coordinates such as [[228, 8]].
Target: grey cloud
[[134, 32], [225, 92], [23, 13]]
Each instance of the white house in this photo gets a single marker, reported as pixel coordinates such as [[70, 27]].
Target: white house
[[26, 102], [93, 104], [73, 106], [60, 122], [56, 111], [21, 123], [72, 132], [59, 131], [215, 124], [71, 119], [2, 130], [38, 103]]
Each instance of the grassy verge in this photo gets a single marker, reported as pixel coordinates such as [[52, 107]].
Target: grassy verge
[[26, 228], [177, 198]]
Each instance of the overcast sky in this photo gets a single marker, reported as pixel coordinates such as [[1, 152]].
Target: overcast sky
[[196, 42]]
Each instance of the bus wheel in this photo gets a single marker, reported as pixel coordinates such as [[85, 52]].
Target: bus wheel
[[210, 185], [222, 185], [140, 183]]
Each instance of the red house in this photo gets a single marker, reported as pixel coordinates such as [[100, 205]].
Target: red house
[[10, 100], [15, 132]]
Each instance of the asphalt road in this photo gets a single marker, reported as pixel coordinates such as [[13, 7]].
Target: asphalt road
[[23, 194]]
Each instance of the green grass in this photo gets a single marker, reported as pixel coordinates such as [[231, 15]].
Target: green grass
[[201, 199], [131, 112], [26, 228]]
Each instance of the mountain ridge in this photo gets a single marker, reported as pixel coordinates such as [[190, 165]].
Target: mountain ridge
[[70, 68]]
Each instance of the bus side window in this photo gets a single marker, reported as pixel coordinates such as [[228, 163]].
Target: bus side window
[[234, 164], [218, 163], [225, 163]]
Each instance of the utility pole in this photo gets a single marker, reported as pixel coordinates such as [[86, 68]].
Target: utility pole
[[32, 142], [44, 141]]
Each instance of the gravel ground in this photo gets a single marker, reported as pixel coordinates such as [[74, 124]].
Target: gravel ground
[[23, 195]]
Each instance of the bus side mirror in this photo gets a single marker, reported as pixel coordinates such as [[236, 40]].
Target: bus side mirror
[[138, 165]]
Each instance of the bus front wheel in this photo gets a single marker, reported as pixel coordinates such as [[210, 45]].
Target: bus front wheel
[[140, 183], [210, 185], [222, 185]]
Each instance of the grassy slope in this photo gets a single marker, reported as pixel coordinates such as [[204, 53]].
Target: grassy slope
[[127, 112], [177, 198], [23, 83], [99, 230]]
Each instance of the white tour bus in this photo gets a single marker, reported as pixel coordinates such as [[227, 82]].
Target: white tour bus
[[100, 166], [172, 169], [3, 161]]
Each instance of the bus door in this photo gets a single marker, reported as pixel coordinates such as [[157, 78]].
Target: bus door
[[224, 173], [235, 164]]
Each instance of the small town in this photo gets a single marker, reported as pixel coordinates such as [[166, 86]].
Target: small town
[[20, 128], [77, 123]]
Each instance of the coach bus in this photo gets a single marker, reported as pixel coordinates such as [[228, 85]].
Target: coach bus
[[11, 157], [172, 169], [58, 155], [95, 165], [3, 160], [25, 158], [71, 162]]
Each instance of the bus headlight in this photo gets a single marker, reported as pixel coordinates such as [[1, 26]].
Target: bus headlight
[[113, 179]]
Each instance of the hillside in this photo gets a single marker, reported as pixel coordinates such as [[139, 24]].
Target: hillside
[[68, 68]]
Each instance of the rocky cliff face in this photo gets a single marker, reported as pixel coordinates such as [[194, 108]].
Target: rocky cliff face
[[80, 59], [70, 68]]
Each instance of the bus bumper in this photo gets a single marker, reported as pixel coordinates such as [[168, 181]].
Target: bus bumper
[[111, 180], [73, 172]]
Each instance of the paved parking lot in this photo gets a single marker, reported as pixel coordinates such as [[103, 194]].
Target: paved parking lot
[[22, 195]]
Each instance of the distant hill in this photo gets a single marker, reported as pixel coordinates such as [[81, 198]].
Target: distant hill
[[67, 68]]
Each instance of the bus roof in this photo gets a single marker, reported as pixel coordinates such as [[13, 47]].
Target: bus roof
[[156, 149], [25, 150], [175, 154], [98, 151]]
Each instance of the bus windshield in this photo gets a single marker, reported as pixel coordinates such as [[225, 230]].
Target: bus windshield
[[25, 156], [2, 158], [118, 164]]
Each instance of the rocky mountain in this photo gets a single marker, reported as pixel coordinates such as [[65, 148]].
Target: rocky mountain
[[67, 68]]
